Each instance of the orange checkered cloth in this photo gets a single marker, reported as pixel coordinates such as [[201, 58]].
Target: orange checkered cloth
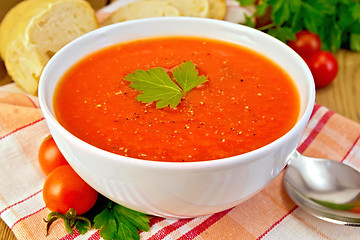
[[268, 215]]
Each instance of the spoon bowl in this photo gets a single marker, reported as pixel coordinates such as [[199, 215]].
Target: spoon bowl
[[327, 189]]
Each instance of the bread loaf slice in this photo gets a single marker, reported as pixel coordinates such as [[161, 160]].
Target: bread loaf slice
[[34, 30], [217, 9], [191, 8], [142, 9]]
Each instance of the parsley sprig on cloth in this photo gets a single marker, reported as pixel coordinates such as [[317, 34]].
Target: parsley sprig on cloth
[[113, 220]]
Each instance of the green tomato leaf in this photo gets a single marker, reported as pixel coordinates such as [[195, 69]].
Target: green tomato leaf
[[156, 85]]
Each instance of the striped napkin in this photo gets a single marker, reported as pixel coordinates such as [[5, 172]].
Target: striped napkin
[[268, 215]]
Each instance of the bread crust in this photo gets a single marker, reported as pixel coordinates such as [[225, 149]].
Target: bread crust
[[142, 9], [191, 8], [217, 9], [33, 31]]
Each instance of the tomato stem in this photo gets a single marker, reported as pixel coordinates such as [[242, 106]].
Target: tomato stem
[[69, 219]]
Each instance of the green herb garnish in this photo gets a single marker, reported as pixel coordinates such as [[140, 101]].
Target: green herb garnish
[[337, 22], [113, 220], [156, 85], [336, 206], [118, 222]]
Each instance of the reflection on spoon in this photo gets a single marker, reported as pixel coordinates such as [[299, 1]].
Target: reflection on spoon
[[327, 189]]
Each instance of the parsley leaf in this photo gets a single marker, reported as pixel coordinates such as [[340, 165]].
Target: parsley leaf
[[156, 85], [283, 34], [280, 11], [118, 222], [187, 76], [356, 11], [246, 2], [355, 41], [82, 226], [113, 220], [105, 221]]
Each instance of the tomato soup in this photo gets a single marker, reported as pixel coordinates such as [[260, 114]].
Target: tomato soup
[[247, 102]]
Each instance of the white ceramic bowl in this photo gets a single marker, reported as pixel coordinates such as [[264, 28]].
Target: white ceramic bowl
[[177, 190]]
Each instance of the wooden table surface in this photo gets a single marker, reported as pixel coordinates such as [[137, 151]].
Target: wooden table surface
[[342, 96]]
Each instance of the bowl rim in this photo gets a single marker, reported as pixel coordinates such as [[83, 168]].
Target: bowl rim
[[215, 163]]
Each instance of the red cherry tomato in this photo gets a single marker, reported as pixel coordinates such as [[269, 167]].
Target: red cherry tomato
[[323, 66], [50, 156], [306, 43], [64, 189]]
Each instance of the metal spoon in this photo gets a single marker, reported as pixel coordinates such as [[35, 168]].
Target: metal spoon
[[327, 189]]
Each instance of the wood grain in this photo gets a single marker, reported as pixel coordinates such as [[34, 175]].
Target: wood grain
[[5, 232], [343, 95]]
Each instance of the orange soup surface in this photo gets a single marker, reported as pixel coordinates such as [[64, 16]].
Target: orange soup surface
[[247, 102]]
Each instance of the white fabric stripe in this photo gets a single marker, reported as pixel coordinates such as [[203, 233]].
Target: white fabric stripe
[[301, 225], [87, 235], [313, 122], [157, 227], [23, 210], [188, 227], [353, 155], [178, 232], [22, 167]]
